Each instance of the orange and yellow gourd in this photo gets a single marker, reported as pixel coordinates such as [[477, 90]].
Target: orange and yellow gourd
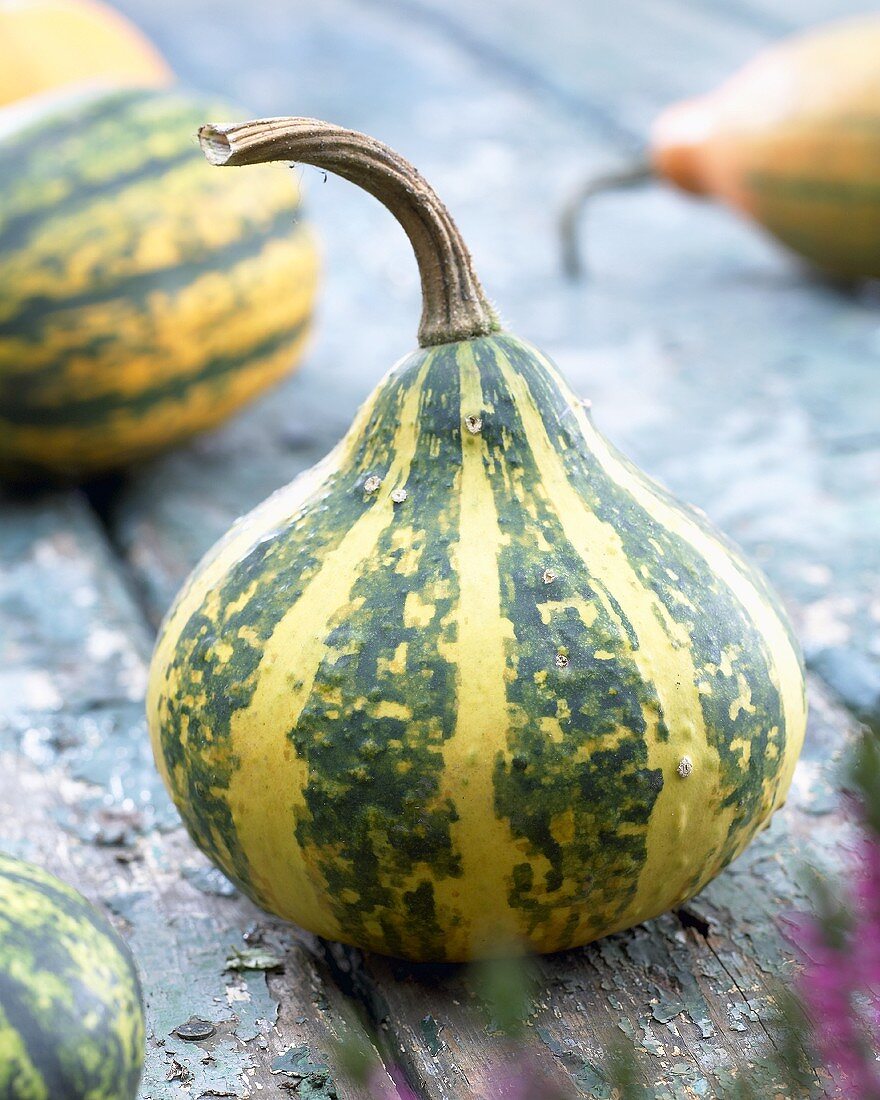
[[793, 142]]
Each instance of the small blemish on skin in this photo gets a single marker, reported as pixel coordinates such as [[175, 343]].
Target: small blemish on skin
[[685, 767], [548, 576], [399, 496], [474, 424], [372, 483]]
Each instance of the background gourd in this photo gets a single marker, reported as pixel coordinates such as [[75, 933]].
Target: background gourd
[[142, 299], [473, 678], [790, 141], [71, 1019], [45, 44]]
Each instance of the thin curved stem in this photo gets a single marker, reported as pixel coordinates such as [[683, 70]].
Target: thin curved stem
[[454, 305], [572, 259]]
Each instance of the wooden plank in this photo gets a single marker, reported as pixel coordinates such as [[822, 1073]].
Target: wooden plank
[[706, 353], [611, 68], [80, 796], [784, 16]]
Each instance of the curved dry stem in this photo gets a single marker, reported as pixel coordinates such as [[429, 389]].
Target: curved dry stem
[[569, 218], [455, 306]]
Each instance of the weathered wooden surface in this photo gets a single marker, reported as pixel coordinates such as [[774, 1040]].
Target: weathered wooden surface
[[714, 360]]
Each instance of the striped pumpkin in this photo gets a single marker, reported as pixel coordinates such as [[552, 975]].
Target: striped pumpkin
[[46, 44], [143, 298], [474, 677], [71, 1020], [793, 142]]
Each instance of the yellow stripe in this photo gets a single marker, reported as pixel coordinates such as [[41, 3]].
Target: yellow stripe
[[478, 652], [268, 772], [665, 661]]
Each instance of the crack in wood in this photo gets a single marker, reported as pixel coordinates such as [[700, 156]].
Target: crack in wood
[[101, 494], [345, 967], [690, 918]]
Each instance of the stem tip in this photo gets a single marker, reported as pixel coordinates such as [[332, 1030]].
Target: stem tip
[[215, 144]]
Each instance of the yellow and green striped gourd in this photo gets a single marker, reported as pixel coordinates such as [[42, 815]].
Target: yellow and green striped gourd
[[142, 299], [474, 678], [71, 1017]]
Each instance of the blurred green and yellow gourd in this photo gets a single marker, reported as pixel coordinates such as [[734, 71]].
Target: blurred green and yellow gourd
[[71, 1009], [142, 299]]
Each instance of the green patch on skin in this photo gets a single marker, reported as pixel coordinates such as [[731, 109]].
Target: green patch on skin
[[18, 228], [242, 613], [842, 192], [694, 597], [71, 1022], [103, 116], [376, 818], [71, 157]]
